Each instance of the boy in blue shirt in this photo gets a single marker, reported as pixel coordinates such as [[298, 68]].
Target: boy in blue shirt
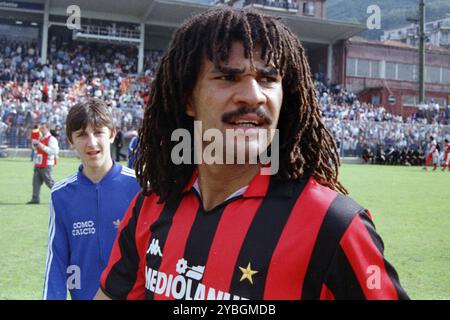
[[87, 207]]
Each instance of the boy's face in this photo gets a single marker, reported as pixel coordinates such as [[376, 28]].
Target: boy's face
[[93, 146]]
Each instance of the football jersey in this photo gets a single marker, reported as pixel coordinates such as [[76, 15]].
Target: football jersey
[[84, 220], [274, 240]]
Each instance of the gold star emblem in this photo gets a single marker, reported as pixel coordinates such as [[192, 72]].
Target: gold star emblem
[[247, 273]]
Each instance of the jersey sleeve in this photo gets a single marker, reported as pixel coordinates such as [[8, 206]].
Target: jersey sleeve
[[118, 280], [58, 256], [359, 269], [53, 147]]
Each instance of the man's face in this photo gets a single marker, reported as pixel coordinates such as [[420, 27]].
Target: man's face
[[43, 129], [93, 146], [235, 96]]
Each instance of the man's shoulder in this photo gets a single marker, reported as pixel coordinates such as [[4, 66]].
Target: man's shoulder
[[126, 173], [64, 184], [64, 191], [127, 178], [149, 200], [340, 206]]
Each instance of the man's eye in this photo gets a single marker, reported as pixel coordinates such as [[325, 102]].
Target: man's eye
[[268, 79], [227, 77]]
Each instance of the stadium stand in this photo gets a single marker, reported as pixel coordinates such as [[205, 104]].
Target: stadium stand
[[31, 92]]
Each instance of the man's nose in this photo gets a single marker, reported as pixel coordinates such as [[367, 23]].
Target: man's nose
[[250, 93], [92, 140]]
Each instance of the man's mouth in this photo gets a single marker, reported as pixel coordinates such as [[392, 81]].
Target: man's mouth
[[245, 123], [250, 120], [93, 153], [246, 118]]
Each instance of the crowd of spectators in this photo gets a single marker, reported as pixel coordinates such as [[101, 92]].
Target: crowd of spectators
[[31, 92], [359, 126], [68, 63]]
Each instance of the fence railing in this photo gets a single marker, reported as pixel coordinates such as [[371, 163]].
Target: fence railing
[[351, 136]]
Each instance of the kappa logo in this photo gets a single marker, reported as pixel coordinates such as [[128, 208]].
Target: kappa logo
[[154, 248]]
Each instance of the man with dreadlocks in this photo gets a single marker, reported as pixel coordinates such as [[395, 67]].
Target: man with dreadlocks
[[228, 231]]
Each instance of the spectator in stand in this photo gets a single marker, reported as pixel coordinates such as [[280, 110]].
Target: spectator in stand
[[31, 92]]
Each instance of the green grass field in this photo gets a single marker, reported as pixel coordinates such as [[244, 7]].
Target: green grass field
[[410, 208]]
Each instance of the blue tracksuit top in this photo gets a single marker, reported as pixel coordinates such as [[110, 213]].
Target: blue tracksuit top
[[84, 220]]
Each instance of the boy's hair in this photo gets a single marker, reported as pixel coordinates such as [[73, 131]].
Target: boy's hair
[[92, 112]]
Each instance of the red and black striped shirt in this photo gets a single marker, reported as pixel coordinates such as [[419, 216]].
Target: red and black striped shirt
[[278, 240]]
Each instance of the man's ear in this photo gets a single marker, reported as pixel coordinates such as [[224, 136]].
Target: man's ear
[[72, 147], [190, 109], [113, 135]]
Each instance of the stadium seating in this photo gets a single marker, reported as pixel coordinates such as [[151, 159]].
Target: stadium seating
[[31, 92]]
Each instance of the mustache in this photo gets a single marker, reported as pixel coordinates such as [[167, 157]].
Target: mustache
[[263, 115]]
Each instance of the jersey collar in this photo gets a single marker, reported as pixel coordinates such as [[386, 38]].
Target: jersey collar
[[235, 194], [260, 186], [114, 171]]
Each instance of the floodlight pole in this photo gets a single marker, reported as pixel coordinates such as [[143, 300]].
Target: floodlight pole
[[45, 26], [422, 52]]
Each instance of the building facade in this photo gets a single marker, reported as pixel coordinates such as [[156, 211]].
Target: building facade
[[386, 73], [310, 8], [437, 33]]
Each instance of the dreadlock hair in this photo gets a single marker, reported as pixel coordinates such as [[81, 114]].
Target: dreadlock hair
[[306, 147]]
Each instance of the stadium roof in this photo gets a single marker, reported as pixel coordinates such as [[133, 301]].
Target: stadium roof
[[171, 13]]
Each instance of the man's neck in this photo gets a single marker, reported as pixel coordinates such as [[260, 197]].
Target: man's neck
[[217, 182], [97, 174]]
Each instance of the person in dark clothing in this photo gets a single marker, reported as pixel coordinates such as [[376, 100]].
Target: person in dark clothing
[[118, 144], [380, 157], [367, 154]]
